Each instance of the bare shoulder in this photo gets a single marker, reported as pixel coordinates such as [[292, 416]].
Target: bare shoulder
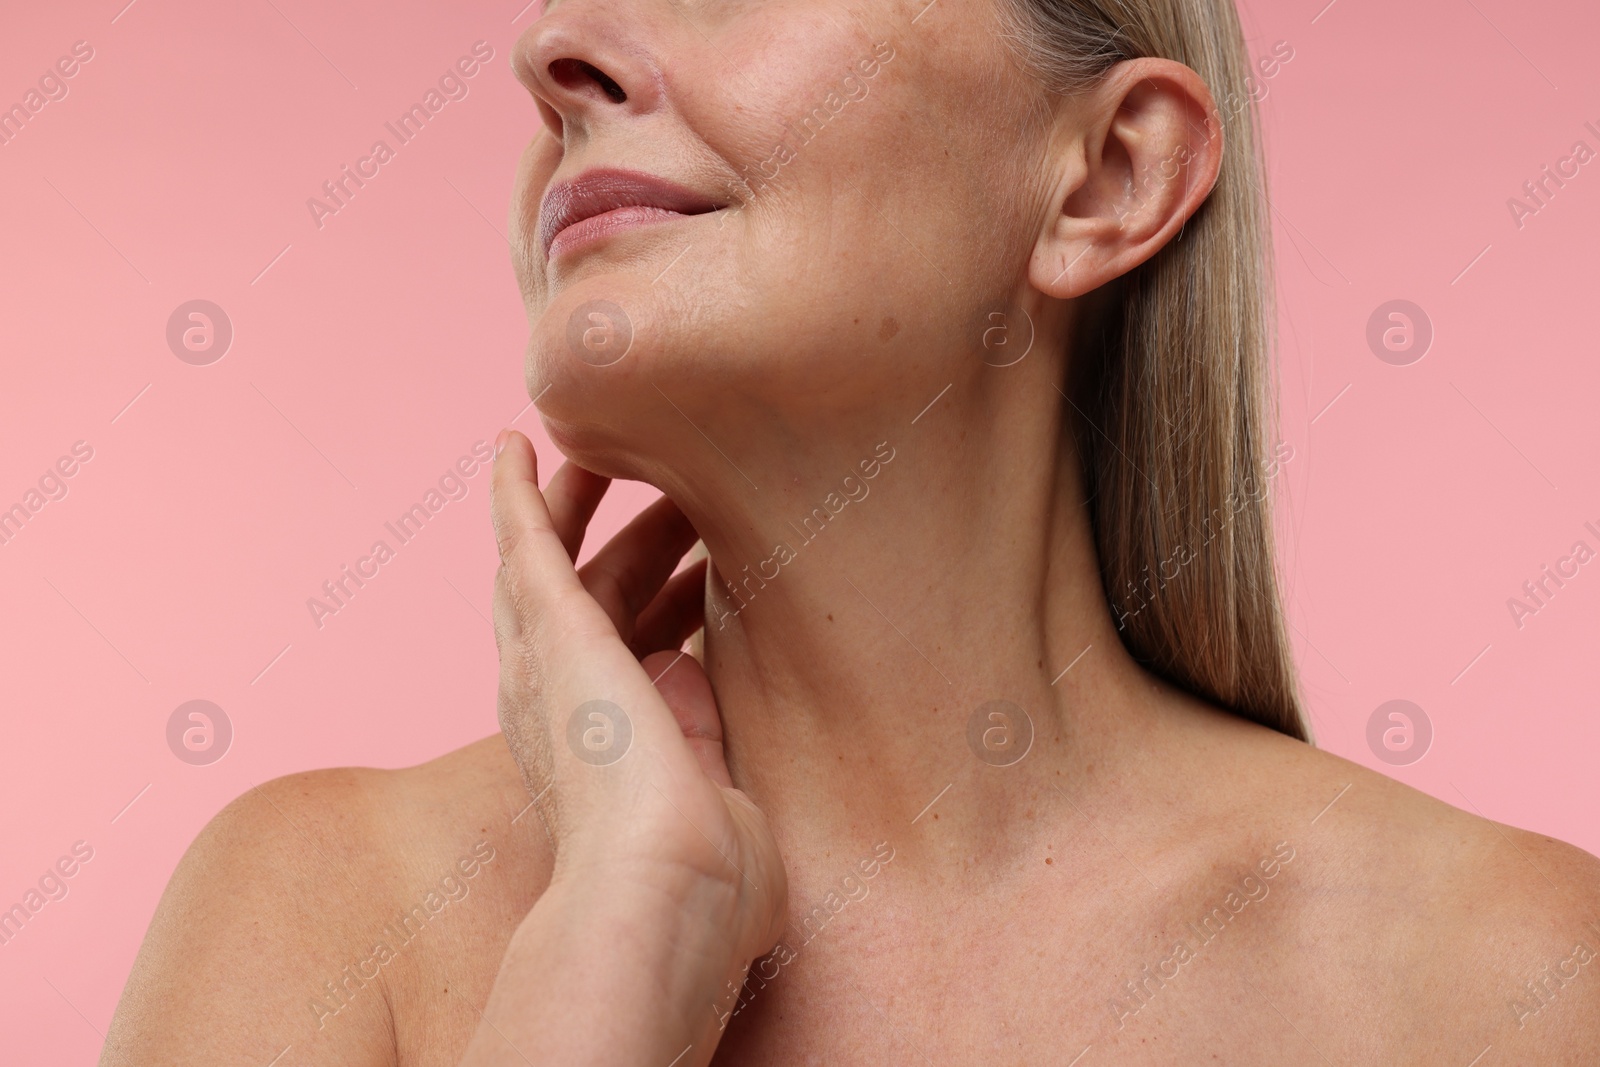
[[314, 905], [1447, 932]]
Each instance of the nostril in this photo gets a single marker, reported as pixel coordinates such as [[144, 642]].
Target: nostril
[[575, 74]]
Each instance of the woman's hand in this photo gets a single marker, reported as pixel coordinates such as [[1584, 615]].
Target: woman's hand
[[667, 881]]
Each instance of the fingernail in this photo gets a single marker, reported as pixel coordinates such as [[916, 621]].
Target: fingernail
[[500, 442]]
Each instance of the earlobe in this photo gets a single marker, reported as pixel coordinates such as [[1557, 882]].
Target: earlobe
[[1145, 156]]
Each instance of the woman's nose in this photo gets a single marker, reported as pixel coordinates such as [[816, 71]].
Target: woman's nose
[[585, 61]]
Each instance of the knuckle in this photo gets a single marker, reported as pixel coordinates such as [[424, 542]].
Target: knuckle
[[519, 703], [518, 657], [519, 596], [506, 534], [508, 625]]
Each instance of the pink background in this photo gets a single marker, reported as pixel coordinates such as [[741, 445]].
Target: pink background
[[371, 353]]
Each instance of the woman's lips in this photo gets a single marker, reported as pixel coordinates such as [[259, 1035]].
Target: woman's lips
[[608, 222], [601, 202]]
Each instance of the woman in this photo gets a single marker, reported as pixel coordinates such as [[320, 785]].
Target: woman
[[942, 326]]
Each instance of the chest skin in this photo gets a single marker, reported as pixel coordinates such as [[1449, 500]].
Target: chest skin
[[1224, 931], [1040, 966]]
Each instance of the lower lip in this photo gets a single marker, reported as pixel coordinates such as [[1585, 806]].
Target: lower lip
[[607, 223]]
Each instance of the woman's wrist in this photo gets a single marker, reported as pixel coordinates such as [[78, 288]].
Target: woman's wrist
[[681, 873], [606, 942]]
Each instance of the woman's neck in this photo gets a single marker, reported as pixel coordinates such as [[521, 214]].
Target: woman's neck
[[864, 607]]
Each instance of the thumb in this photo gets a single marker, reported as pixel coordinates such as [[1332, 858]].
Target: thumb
[[683, 685]]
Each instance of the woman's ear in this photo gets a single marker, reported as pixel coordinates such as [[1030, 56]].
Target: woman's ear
[[1144, 154]]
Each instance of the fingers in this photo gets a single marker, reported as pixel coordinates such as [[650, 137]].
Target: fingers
[[682, 683], [559, 651], [536, 572], [625, 575], [675, 614], [572, 496]]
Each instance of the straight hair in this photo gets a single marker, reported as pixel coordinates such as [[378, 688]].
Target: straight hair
[[1170, 380]]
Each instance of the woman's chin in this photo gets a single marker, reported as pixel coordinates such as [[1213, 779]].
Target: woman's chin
[[587, 351], [591, 363], [594, 448]]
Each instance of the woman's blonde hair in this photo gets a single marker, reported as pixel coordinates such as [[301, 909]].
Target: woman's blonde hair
[[1170, 381]]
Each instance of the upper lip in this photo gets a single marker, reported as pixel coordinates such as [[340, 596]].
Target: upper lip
[[595, 192]]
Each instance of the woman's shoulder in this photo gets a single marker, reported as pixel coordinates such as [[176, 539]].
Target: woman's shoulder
[[1376, 823], [1427, 918], [313, 904]]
